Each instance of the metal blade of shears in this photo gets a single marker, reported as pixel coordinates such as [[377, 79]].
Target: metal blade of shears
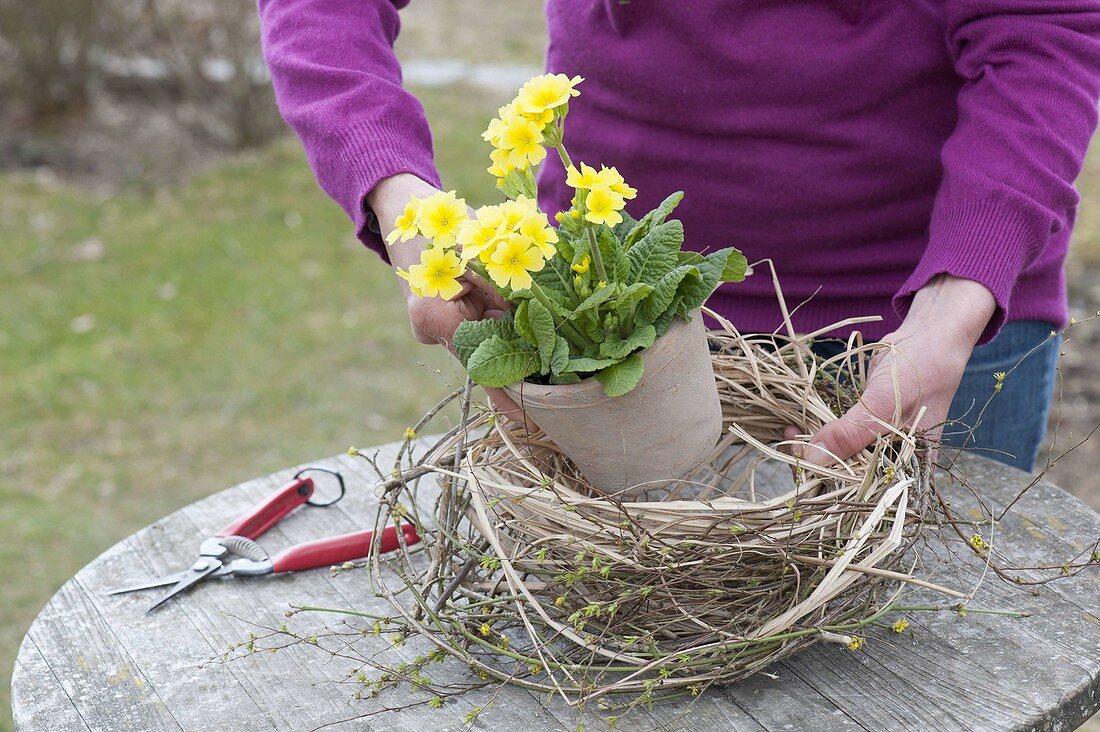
[[168, 579], [198, 572]]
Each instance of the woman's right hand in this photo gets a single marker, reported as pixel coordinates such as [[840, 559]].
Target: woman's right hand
[[433, 319]]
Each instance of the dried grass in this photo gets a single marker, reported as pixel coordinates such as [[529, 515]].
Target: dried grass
[[536, 579]]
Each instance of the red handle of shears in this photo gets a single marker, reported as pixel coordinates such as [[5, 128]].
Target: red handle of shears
[[270, 512], [340, 549]]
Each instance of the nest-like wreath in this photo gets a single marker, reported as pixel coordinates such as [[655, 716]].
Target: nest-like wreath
[[531, 577]]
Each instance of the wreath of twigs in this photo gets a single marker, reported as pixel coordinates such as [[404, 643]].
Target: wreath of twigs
[[531, 577]]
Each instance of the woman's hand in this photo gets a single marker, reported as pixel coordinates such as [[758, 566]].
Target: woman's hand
[[926, 363], [434, 320]]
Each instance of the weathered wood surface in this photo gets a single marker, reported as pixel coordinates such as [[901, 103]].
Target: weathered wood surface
[[97, 662]]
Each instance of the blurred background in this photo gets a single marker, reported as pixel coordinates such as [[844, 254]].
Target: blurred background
[[182, 309]]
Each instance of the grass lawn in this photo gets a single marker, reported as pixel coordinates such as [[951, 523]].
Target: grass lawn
[[156, 349]]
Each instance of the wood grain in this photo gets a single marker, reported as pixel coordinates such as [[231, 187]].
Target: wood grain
[[97, 662]]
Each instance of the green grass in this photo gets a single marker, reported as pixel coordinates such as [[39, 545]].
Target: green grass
[[237, 327]]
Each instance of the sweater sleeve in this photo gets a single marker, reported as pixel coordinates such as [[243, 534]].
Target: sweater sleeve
[[1027, 108], [338, 85]]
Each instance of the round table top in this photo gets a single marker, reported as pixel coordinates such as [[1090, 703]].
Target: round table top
[[96, 662]]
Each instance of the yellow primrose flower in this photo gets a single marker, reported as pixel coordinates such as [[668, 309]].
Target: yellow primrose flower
[[512, 261], [603, 206], [500, 167], [515, 212], [611, 178], [522, 138], [437, 274], [585, 178], [547, 91], [496, 125], [405, 225], [476, 237], [409, 278], [440, 216], [582, 266], [538, 229]]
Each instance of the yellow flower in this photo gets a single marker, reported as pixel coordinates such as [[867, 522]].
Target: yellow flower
[[408, 278], [585, 178], [437, 274], [500, 167], [513, 213], [477, 236], [855, 643], [603, 206], [405, 226], [611, 178], [410, 433], [496, 125], [547, 91], [512, 261], [485, 630], [440, 216], [900, 626], [582, 266], [538, 229], [522, 138]]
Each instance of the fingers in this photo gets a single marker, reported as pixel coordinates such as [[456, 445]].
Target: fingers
[[842, 438]]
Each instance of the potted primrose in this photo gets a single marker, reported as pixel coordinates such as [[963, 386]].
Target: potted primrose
[[605, 349]]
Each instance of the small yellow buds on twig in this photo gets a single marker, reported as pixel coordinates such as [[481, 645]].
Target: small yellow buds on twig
[[900, 626]]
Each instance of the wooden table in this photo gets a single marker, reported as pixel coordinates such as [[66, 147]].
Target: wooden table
[[97, 662]]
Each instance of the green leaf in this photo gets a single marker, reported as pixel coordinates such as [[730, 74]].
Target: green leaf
[[652, 219], [629, 298], [641, 338], [587, 365], [623, 376], [522, 323], [559, 360], [500, 362], [655, 255], [612, 253], [735, 265], [623, 228], [556, 280], [597, 298], [542, 326], [700, 283], [565, 379], [663, 294], [664, 320], [471, 333]]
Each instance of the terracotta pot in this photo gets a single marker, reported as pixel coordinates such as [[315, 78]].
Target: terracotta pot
[[658, 432]]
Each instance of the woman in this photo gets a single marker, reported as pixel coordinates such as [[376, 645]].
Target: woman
[[912, 159]]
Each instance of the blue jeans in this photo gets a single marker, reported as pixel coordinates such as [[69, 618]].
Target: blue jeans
[[1012, 426]]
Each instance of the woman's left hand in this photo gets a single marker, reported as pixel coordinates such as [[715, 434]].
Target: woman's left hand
[[923, 368]]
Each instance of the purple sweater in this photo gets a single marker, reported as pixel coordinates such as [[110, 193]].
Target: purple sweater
[[863, 145]]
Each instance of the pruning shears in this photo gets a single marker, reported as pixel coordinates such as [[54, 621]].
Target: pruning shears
[[238, 538]]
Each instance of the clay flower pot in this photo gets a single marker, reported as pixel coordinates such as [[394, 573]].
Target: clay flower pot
[[652, 435]]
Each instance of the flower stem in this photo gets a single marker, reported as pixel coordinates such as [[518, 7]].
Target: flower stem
[[560, 147], [597, 258]]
